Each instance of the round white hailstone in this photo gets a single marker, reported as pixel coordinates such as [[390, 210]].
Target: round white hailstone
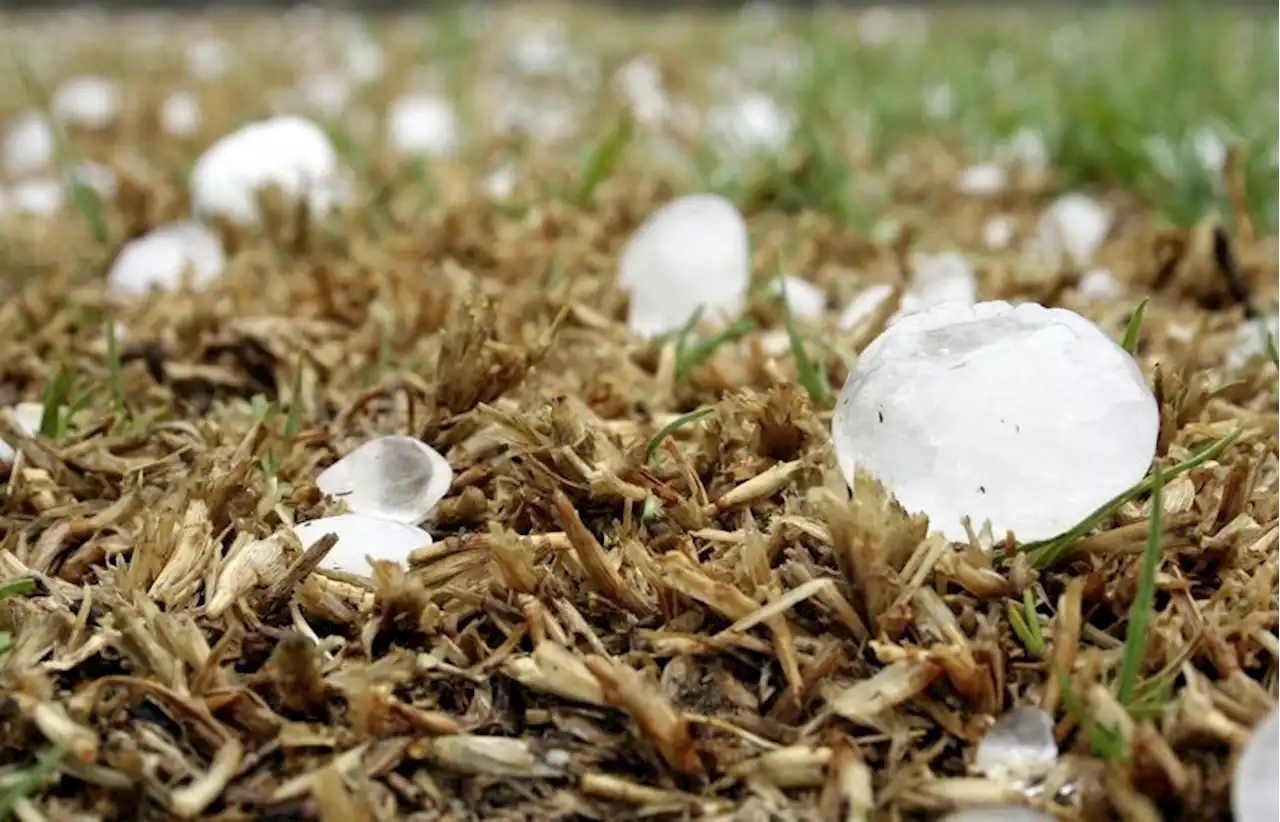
[[396, 478], [775, 342], [208, 58], [161, 259], [364, 60], [997, 232], [1099, 284], [28, 416], [692, 253], [983, 180], [1027, 416], [804, 299], [39, 197], [326, 92], [641, 84], [28, 144], [291, 153], [939, 101], [754, 122], [1026, 147], [423, 124], [1210, 149], [1252, 341], [1018, 748], [541, 49], [362, 537], [998, 813], [88, 101], [946, 277], [180, 114], [1255, 792], [1071, 231], [864, 305]]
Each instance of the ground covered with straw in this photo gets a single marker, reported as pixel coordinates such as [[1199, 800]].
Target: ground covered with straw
[[651, 593]]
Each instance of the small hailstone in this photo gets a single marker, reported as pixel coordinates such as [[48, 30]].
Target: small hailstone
[[28, 144], [161, 258], [501, 182], [88, 101], [364, 60], [754, 122], [180, 114], [804, 299], [998, 813], [641, 83], [291, 153], [693, 252], [423, 124], [1210, 149], [1251, 341], [1019, 748], [1099, 284], [939, 101], [28, 416], [982, 180], [39, 197], [946, 277], [997, 232], [325, 92], [1027, 147], [1255, 790], [1027, 416], [1072, 230], [864, 305], [359, 537], [396, 478], [208, 58]]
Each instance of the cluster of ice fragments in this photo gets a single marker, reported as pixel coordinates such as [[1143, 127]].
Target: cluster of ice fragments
[[1026, 416], [390, 485]]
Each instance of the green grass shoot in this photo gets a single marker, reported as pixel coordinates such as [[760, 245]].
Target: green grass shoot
[[1135, 641], [688, 418], [1131, 332], [603, 159]]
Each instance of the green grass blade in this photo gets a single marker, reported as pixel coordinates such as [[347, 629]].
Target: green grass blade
[[603, 159], [56, 391], [293, 419], [30, 780], [17, 587], [1135, 640], [1130, 343], [691, 356], [670, 428]]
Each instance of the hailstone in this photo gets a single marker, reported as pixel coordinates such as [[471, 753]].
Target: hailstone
[[87, 101], [397, 478], [423, 124], [1019, 747], [1027, 416], [28, 144], [161, 258], [691, 254], [1071, 231], [361, 537], [287, 152], [28, 416], [1255, 790]]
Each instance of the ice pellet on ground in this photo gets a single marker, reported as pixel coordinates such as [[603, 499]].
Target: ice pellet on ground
[[1251, 341], [1019, 748], [691, 253], [40, 197], [361, 537], [997, 232], [1025, 147], [944, 277], [1210, 149], [1099, 284], [180, 114], [28, 416], [209, 58], [1028, 416], [396, 478], [754, 122], [88, 101], [28, 144], [864, 305], [982, 180], [161, 258], [998, 813], [804, 299], [1071, 230], [422, 124], [290, 153], [1255, 786]]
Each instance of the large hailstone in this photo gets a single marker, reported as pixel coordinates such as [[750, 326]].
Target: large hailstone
[[88, 101], [692, 253], [161, 259], [395, 478], [288, 152], [1027, 416], [1255, 791], [360, 538], [422, 124]]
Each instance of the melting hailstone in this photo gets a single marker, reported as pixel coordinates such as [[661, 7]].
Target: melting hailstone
[[361, 538], [394, 478], [692, 253], [1255, 791], [28, 416], [161, 258], [290, 153], [1019, 748], [1027, 416]]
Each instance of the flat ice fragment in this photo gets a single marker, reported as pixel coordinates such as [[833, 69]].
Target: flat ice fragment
[[691, 253], [1255, 786], [361, 537], [1027, 416], [395, 478]]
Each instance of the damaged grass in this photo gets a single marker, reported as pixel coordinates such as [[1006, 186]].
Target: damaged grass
[[651, 593]]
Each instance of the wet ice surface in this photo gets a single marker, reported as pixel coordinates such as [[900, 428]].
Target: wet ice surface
[[1019, 747], [395, 478]]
